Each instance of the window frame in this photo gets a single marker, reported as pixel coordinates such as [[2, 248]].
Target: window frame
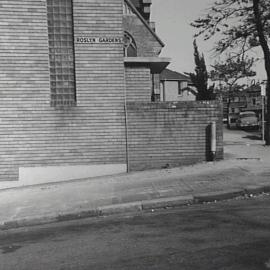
[[130, 44], [180, 91], [61, 53]]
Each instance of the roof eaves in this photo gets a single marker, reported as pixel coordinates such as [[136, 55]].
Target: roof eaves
[[144, 22], [169, 74]]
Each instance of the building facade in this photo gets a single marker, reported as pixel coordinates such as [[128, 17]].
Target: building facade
[[76, 83], [67, 70], [175, 86]]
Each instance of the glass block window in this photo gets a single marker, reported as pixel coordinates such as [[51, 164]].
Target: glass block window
[[61, 52]]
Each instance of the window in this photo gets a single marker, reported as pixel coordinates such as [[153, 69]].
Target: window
[[182, 85], [130, 48], [180, 92], [61, 52]]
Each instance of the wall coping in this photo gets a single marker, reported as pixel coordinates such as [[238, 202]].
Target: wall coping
[[174, 105]]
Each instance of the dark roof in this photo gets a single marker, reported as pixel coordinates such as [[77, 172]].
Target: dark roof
[[136, 3], [139, 5], [170, 75], [139, 13]]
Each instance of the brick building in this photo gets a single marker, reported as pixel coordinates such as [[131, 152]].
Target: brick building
[[64, 83], [69, 69]]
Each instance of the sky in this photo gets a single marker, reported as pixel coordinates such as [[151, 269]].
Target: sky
[[173, 18]]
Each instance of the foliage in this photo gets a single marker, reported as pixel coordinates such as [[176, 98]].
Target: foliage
[[241, 25], [232, 70], [200, 77], [234, 22]]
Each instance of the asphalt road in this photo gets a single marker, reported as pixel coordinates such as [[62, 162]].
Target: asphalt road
[[226, 235], [237, 135]]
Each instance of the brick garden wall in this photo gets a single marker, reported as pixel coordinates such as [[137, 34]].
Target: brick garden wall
[[171, 134]]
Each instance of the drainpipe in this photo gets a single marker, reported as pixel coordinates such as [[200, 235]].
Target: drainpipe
[[213, 140], [126, 119]]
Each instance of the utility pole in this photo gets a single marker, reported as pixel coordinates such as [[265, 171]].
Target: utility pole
[[263, 93]]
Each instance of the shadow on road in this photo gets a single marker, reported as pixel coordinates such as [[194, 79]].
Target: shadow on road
[[256, 137]]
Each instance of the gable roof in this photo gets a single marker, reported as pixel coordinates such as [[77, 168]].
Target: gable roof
[[170, 75], [140, 6], [135, 10]]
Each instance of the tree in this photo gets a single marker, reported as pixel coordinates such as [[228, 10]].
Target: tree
[[241, 26], [231, 71], [200, 77]]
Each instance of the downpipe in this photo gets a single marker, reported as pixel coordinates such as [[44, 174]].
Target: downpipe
[[213, 147]]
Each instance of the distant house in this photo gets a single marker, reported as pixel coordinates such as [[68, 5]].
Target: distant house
[[235, 102], [175, 86], [254, 99]]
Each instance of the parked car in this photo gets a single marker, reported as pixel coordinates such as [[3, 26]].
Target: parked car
[[247, 120]]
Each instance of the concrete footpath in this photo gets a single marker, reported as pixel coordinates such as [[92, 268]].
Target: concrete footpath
[[245, 170]]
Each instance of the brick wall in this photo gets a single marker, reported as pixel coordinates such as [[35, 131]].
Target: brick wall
[[138, 84], [171, 134], [31, 132], [147, 45]]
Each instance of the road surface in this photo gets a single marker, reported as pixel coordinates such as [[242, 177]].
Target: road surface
[[227, 235]]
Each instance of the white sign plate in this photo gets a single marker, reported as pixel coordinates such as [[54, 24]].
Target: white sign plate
[[99, 40]]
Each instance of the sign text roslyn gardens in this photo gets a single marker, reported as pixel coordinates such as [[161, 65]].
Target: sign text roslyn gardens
[[99, 40]]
